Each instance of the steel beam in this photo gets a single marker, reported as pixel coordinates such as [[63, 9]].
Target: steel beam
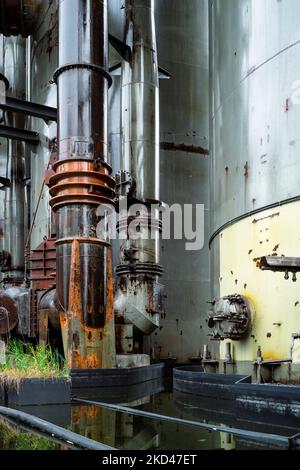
[[30, 109], [19, 134]]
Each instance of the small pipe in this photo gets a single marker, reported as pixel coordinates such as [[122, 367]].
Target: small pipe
[[228, 355], [53, 430], [19, 426]]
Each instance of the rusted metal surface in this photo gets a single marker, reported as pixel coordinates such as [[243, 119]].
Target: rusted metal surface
[[230, 317], [43, 265], [81, 183], [279, 263], [15, 305], [42, 277], [8, 313], [43, 327], [83, 324]]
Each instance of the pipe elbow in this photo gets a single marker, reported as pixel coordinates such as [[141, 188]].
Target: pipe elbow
[[47, 305], [134, 309]]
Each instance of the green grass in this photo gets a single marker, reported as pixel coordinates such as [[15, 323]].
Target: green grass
[[25, 360], [12, 439]]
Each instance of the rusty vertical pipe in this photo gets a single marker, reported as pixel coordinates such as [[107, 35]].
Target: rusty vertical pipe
[[82, 181]]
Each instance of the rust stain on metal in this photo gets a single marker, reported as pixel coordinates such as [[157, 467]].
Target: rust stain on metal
[[80, 182], [83, 343], [255, 221], [287, 105], [184, 148], [43, 265]]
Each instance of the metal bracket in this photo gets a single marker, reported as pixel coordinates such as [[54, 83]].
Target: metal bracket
[[116, 70], [280, 264], [121, 47], [163, 74], [94, 68], [125, 52], [4, 182], [5, 80]]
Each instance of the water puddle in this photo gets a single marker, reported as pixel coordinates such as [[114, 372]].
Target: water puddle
[[127, 432]]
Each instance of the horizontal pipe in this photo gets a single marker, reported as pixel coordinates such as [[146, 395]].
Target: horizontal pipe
[[29, 109], [28, 429], [53, 430], [20, 135]]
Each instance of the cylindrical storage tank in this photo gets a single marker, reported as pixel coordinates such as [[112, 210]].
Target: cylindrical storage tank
[[255, 113], [182, 39]]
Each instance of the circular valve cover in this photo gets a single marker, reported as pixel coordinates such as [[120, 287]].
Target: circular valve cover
[[230, 317]]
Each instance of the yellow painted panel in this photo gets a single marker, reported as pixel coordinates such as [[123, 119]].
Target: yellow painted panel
[[276, 300]]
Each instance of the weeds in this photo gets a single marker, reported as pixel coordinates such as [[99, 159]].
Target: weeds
[[23, 360], [12, 439]]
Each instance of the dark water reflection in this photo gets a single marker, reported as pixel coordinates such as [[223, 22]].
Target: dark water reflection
[[129, 432]]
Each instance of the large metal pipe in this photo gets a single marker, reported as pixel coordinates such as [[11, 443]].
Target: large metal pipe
[[138, 300], [14, 200], [82, 182], [140, 101]]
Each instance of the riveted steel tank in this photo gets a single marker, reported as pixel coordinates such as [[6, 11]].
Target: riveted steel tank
[[255, 72]]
